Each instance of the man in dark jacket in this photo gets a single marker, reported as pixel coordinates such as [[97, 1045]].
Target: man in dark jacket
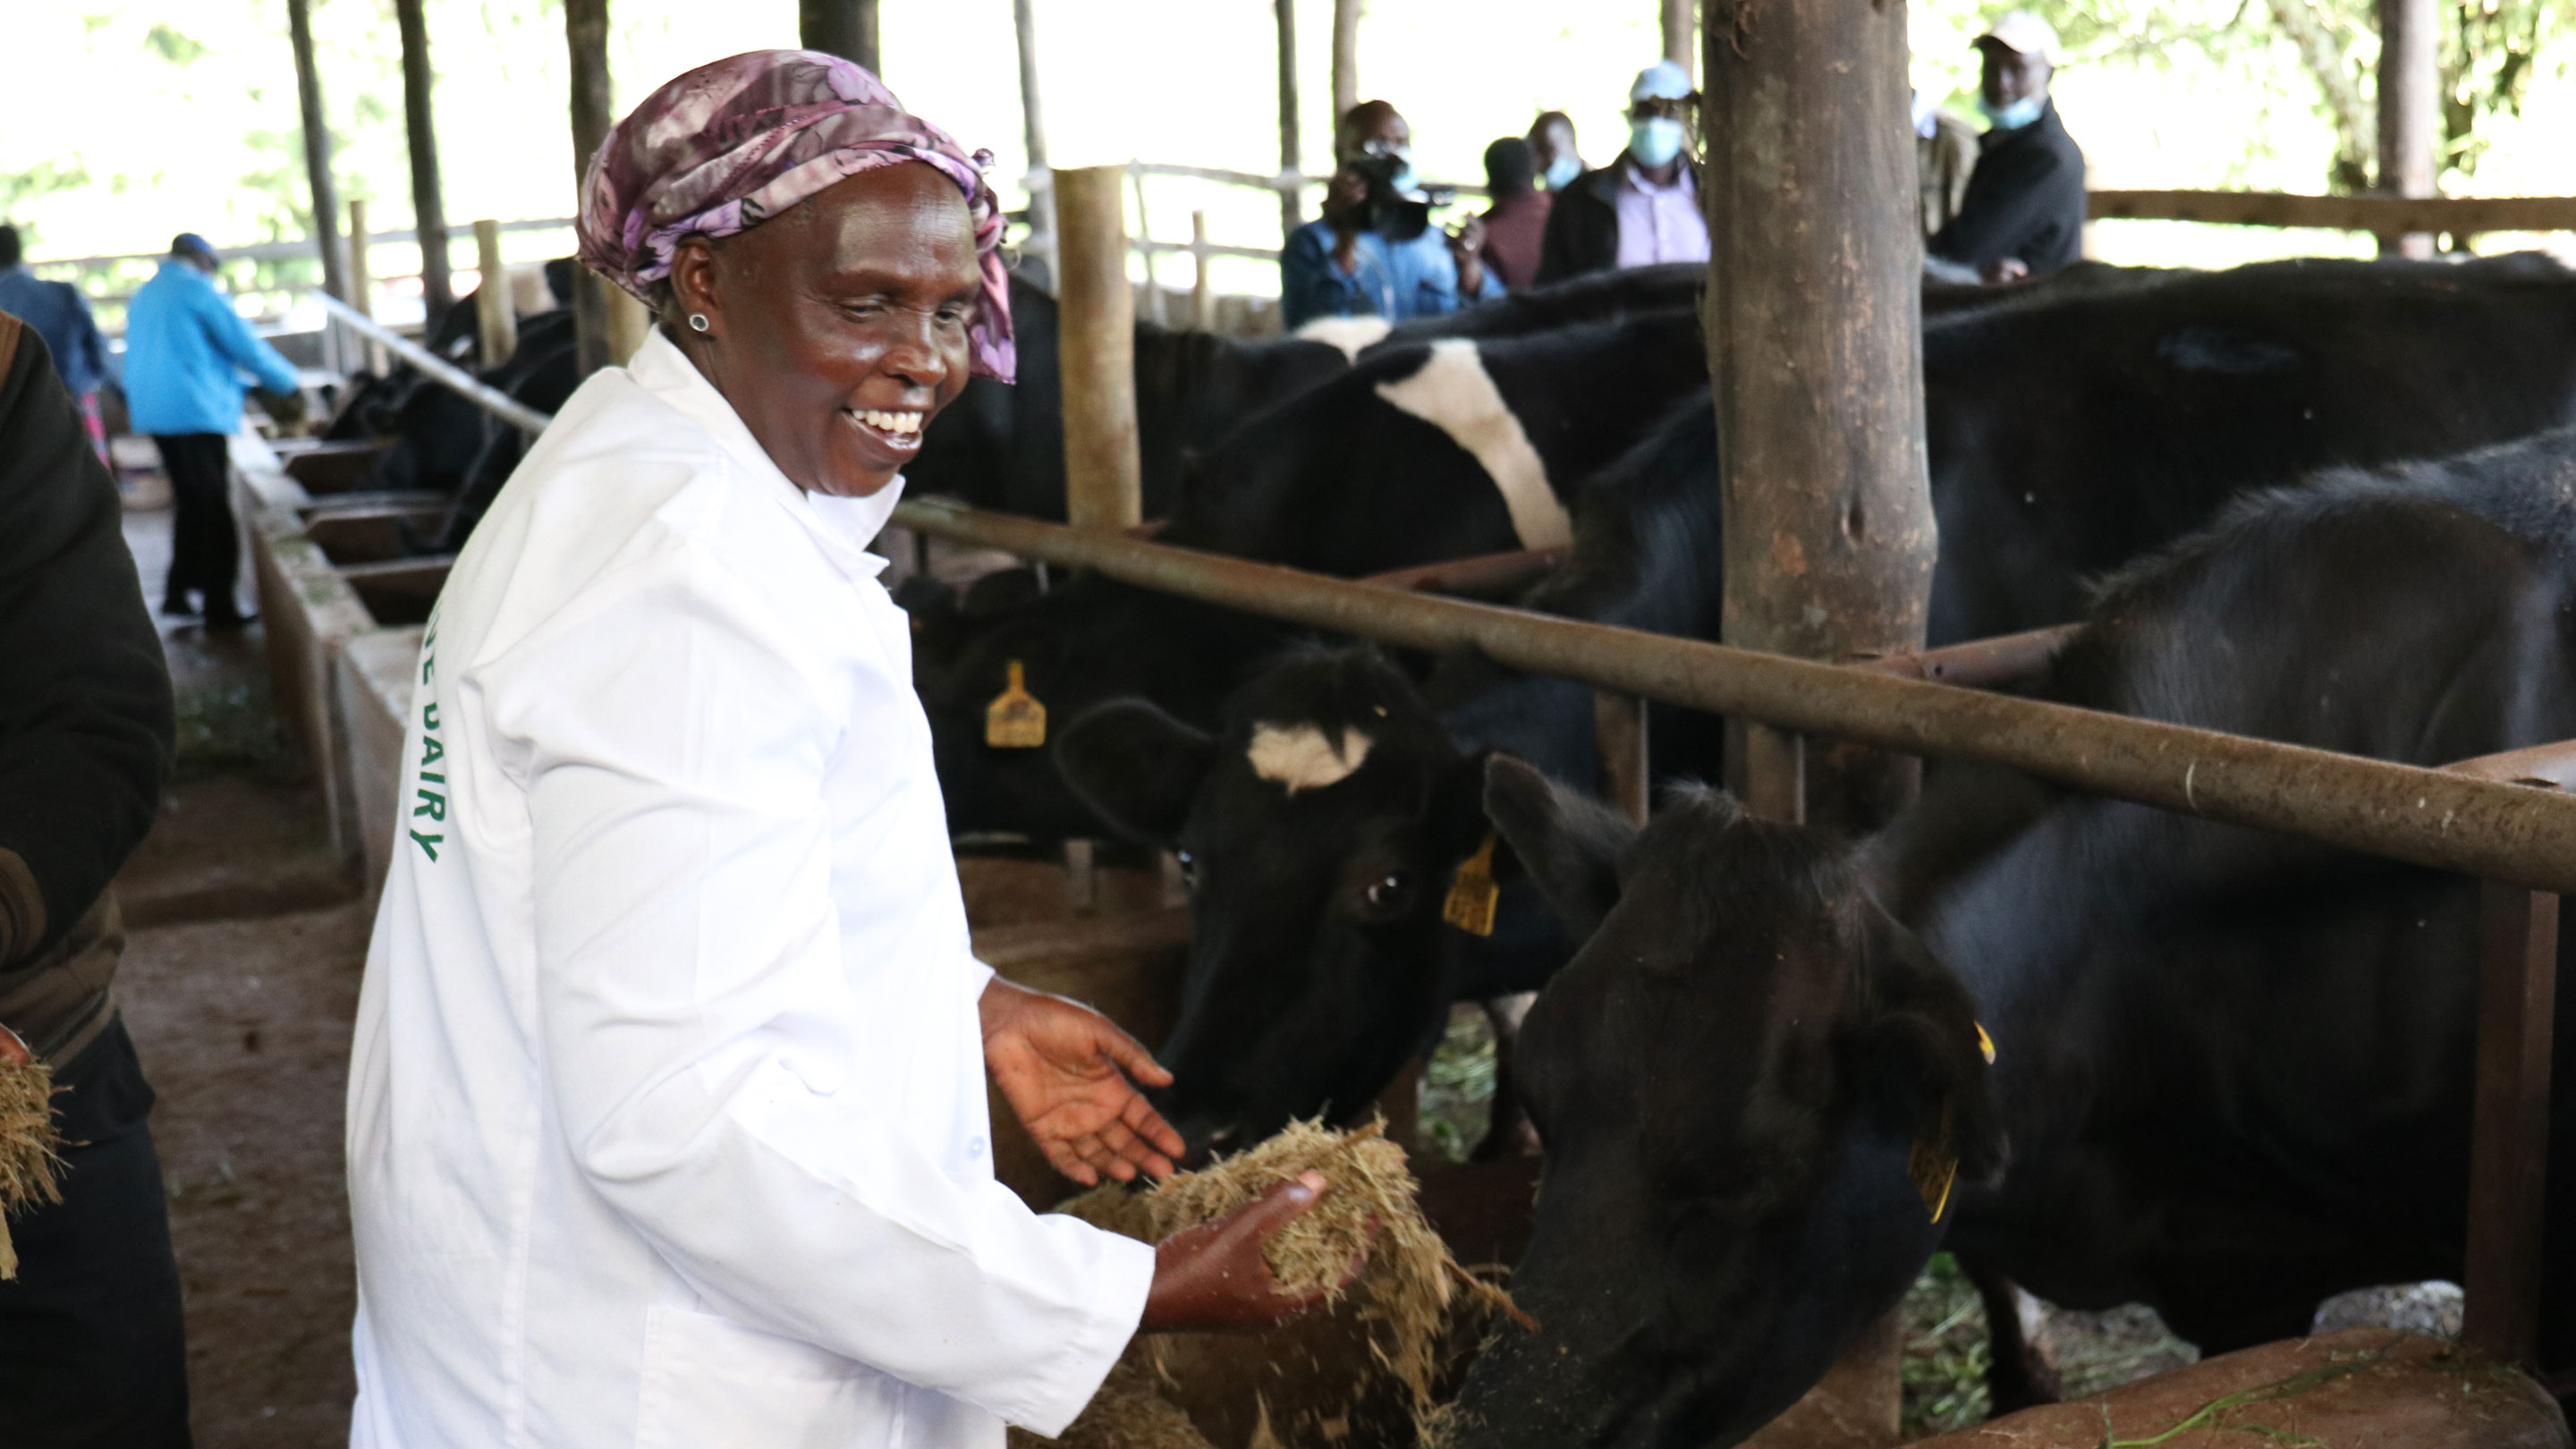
[[92, 1352], [1642, 208], [2024, 211]]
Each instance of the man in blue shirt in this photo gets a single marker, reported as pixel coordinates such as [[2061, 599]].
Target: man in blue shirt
[[185, 352], [60, 315], [1372, 253]]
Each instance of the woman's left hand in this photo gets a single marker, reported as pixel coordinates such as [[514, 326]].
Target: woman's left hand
[[1065, 1070]]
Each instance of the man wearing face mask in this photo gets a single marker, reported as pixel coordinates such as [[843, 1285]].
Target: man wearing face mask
[[1642, 208], [1375, 253], [2024, 212], [1552, 153]]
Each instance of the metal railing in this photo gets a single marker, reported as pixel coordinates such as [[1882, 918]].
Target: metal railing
[[437, 369]]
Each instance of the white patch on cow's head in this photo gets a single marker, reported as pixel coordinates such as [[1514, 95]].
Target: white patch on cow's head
[[1453, 392], [1353, 335], [1299, 757]]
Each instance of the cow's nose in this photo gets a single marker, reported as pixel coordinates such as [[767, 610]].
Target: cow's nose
[[1203, 1136]]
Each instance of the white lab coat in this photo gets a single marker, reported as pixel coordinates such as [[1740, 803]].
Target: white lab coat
[[666, 1109]]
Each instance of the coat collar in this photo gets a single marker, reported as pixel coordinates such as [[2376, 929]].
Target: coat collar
[[841, 527]]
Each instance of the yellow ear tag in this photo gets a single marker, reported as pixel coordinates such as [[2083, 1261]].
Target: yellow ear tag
[[1985, 1044], [1472, 893], [1015, 720], [1933, 1167]]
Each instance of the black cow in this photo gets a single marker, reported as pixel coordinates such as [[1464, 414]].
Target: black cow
[[1402, 459], [2233, 1069], [1646, 556]]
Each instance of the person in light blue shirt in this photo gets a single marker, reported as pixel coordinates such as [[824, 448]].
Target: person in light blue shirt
[[1373, 252], [60, 315], [186, 350]]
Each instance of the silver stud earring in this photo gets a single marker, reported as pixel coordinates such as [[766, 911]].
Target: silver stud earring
[[697, 321]]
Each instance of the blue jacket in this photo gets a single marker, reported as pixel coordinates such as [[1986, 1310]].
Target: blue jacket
[[60, 315], [185, 351], [1390, 279]]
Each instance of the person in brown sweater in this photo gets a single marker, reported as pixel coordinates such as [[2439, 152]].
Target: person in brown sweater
[[1517, 221], [92, 1351]]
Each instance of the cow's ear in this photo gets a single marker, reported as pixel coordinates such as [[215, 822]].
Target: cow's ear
[[1135, 766], [1570, 843], [1455, 820], [1924, 1052]]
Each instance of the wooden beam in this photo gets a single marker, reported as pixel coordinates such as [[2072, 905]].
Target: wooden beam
[[2509, 1152], [2387, 215], [1346, 57], [846, 28], [494, 317], [323, 190], [2409, 109], [428, 209], [1290, 160], [586, 36], [1096, 350]]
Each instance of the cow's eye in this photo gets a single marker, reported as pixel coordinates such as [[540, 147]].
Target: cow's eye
[[1389, 892], [1189, 869]]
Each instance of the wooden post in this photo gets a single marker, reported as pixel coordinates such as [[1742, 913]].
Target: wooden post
[[1346, 57], [1291, 214], [2509, 1154], [1155, 307], [2409, 109], [846, 28], [325, 192], [586, 34], [1680, 19], [362, 284], [429, 211], [628, 325], [1814, 319], [494, 317], [1041, 183], [1619, 733], [1096, 350], [1202, 293]]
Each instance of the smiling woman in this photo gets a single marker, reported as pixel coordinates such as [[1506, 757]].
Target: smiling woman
[[667, 1116]]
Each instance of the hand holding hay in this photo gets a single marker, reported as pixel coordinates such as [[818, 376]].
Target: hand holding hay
[[1219, 1275], [29, 1145], [1360, 1376]]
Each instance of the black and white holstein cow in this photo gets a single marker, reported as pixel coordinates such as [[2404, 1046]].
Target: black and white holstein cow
[[2022, 529], [1418, 453], [2232, 1071]]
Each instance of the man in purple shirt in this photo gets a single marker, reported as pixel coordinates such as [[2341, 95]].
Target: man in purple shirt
[[1642, 208]]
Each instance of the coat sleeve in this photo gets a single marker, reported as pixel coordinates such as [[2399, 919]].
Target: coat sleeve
[[85, 726], [239, 345], [697, 1017], [2014, 208], [1311, 283]]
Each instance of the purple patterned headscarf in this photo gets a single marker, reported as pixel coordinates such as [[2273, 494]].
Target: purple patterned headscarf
[[730, 145]]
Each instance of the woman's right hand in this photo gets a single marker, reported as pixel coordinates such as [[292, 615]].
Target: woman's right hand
[[1213, 1277]]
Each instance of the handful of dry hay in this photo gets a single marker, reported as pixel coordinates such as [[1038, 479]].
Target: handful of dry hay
[[1407, 1299], [30, 1148]]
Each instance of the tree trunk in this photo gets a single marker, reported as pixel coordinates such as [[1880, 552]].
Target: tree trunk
[[586, 33], [317, 150], [1346, 57], [2409, 109], [1681, 18], [1291, 215], [1814, 315], [428, 209], [1041, 183], [846, 28]]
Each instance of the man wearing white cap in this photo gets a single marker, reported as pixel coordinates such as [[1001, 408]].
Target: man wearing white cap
[[2024, 212], [1642, 208]]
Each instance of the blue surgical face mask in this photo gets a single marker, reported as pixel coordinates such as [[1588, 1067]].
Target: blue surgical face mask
[[1654, 140], [1562, 171], [2015, 116]]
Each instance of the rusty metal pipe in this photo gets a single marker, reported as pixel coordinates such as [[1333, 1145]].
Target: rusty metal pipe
[[1479, 574], [2444, 820]]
